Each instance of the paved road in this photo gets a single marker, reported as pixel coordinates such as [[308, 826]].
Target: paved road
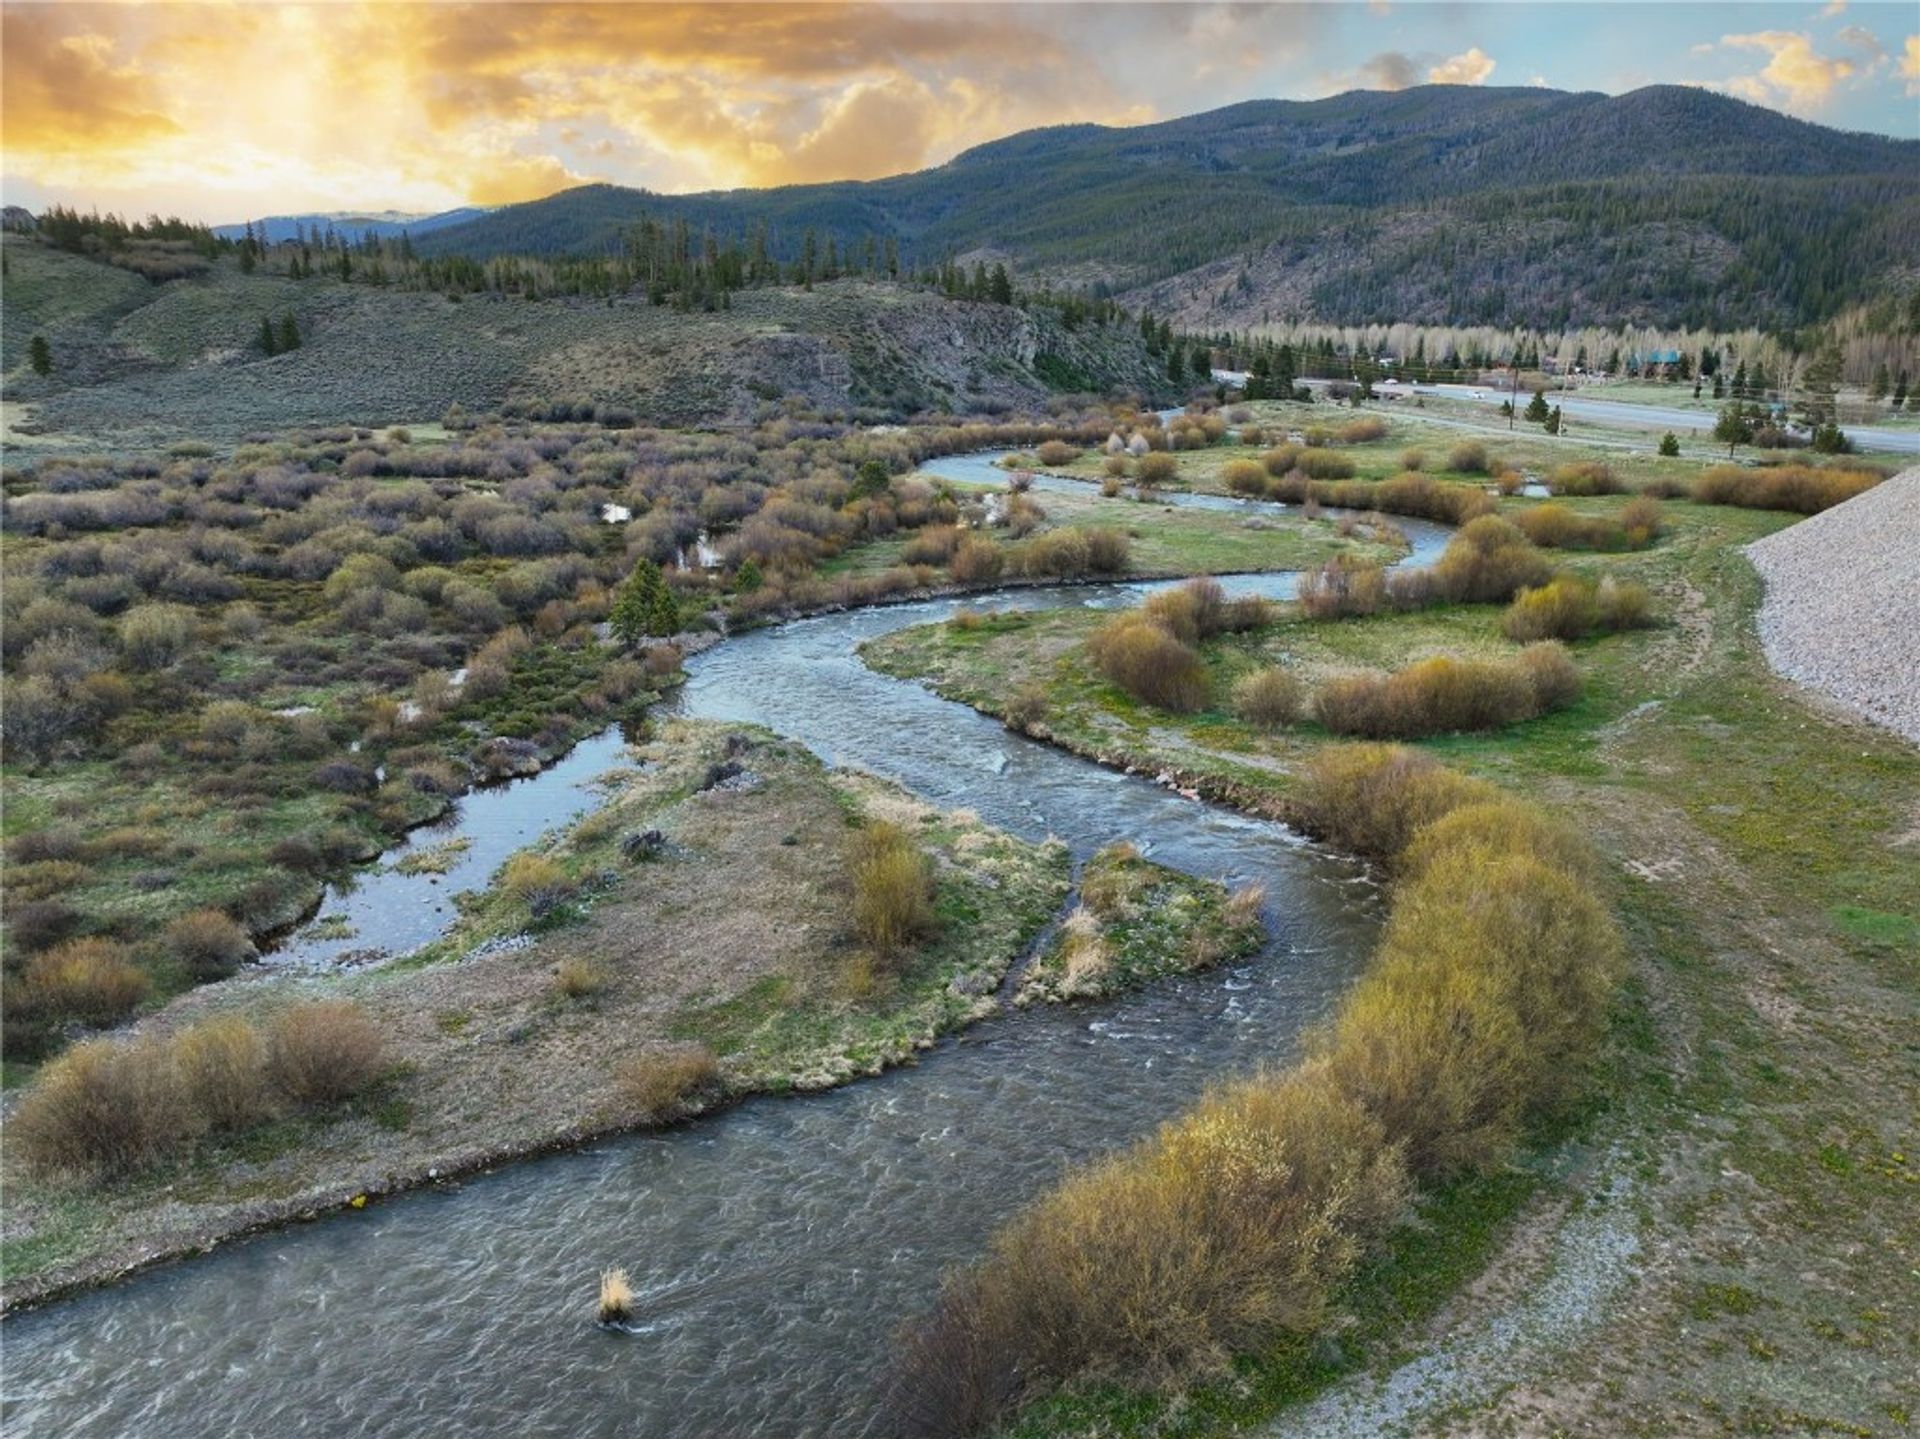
[[1657, 416]]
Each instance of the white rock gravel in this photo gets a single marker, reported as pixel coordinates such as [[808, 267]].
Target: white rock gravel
[[1842, 607]]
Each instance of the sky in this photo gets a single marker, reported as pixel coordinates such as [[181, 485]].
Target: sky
[[221, 112]]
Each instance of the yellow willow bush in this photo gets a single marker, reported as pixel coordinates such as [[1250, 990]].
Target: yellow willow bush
[[1236, 1223]]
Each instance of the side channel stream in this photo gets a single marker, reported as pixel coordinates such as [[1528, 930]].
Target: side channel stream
[[777, 1246]]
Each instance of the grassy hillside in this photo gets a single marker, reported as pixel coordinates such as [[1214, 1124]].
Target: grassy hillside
[[1440, 203], [145, 363]]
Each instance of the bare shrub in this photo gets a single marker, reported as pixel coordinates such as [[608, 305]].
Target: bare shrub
[[1469, 457], [104, 1108], [323, 1052], [578, 978], [1268, 699], [222, 1067], [1801, 489], [1149, 663], [208, 944], [1371, 798], [92, 980], [1488, 560], [1585, 477], [1363, 431]]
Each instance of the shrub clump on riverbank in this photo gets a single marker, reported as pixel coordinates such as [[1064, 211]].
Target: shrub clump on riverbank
[[110, 1106], [1235, 1225], [1444, 695]]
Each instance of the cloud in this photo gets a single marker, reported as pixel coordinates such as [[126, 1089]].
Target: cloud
[[1833, 8], [64, 88], [1389, 70], [1794, 73], [1468, 68], [1858, 37], [1910, 64]]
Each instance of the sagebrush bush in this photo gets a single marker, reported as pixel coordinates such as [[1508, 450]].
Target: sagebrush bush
[[1150, 663], [1363, 431], [660, 1084], [324, 1051], [1268, 699], [102, 1108], [892, 888]]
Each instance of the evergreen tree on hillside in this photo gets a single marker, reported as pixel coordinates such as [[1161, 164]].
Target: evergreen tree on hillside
[[1536, 410], [40, 355], [269, 342], [289, 332]]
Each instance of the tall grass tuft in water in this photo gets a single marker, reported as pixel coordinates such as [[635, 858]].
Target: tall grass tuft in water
[[616, 1297]]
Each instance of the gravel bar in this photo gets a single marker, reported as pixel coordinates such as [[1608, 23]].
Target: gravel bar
[[1842, 607]]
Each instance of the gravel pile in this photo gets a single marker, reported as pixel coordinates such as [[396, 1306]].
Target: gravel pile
[[1842, 606]]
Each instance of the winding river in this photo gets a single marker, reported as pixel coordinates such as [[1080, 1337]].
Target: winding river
[[777, 1246]]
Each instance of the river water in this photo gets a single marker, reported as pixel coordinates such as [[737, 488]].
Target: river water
[[774, 1247]]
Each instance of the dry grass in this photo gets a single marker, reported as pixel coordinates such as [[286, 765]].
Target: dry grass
[[658, 1085]]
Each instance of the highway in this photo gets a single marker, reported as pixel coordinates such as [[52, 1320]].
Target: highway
[[1618, 412]]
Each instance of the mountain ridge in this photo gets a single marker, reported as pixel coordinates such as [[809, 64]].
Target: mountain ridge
[[1780, 222]]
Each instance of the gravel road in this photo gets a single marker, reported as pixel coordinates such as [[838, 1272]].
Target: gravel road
[[1842, 606]]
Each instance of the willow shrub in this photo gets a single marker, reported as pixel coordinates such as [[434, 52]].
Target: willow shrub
[[1444, 695], [1802, 489], [1570, 607], [1233, 1226], [1148, 661]]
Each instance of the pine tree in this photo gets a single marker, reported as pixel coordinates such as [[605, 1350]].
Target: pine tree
[[645, 606], [40, 355], [869, 480], [269, 342], [289, 332], [1536, 410], [1176, 364], [1733, 428], [1881, 383], [1553, 421], [748, 578], [1670, 444]]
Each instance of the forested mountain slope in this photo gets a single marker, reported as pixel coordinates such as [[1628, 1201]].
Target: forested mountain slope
[[1439, 203]]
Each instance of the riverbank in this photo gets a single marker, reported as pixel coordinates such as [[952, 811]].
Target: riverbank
[[1758, 1096], [519, 1031], [701, 910]]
